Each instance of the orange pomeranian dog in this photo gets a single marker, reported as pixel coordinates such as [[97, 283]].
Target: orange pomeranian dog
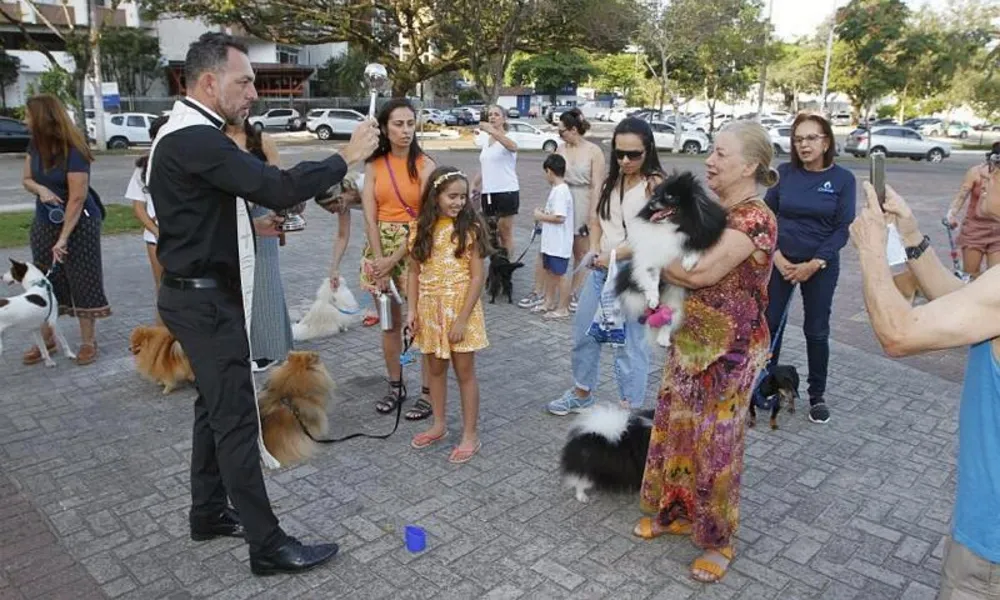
[[159, 357], [301, 386]]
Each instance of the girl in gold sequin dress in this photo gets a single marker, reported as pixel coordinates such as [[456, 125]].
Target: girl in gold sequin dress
[[445, 281]]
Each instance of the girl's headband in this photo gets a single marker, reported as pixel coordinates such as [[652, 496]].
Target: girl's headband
[[447, 176]]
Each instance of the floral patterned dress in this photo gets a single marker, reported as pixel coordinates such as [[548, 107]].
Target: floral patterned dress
[[695, 458], [443, 286]]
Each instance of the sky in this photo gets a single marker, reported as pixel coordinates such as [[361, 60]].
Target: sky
[[796, 18]]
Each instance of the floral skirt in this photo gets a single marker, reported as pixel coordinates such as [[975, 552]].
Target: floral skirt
[[392, 236], [436, 314], [78, 282]]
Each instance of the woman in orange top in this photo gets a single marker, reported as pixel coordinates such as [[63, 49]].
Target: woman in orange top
[[394, 179]]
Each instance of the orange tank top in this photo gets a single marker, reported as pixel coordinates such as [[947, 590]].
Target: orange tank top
[[390, 208]]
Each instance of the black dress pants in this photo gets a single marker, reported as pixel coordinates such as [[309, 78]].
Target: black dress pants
[[225, 458]]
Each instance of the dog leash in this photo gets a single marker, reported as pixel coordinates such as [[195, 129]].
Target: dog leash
[[407, 342], [778, 333], [957, 267]]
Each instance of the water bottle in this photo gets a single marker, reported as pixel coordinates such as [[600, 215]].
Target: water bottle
[[385, 311]]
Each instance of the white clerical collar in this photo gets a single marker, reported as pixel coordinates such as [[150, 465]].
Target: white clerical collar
[[210, 114]]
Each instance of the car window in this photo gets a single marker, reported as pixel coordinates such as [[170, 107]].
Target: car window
[[316, 113], [281, 112], [117, 120], [12, 127], [785, 132], [913, 135], [889, 132], [135, 121]]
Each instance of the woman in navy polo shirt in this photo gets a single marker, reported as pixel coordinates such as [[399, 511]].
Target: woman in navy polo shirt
[[814, 202]]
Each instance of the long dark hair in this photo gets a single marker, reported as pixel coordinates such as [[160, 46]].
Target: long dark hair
[[53, 135], [824, 126], [469, 225], [384, 147], [650, 165], [154, 129]]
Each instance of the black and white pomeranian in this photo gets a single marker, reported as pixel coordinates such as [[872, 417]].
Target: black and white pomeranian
[[607, 450], [679, 221], [780, 385]]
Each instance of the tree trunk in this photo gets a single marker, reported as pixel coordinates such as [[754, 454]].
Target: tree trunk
[[902, 103], [678, 126]]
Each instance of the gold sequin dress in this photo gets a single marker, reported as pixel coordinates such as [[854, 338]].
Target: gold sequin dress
[[444, 284]]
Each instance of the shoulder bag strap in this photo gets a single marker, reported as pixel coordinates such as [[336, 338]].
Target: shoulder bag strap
[[392, 177]]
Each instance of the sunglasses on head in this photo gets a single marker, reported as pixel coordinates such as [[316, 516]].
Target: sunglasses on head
[[629, 154]]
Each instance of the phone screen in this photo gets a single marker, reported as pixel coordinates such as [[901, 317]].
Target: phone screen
[[877, 176]]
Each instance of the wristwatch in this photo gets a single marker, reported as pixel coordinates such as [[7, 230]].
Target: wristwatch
[[915, 252], [822, 263]]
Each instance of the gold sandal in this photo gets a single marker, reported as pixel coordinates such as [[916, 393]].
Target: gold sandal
[[711, 564], [647, 530], [87, 354], [34, 356]]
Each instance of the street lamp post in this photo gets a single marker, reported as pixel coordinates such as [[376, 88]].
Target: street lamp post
[[829, 55]]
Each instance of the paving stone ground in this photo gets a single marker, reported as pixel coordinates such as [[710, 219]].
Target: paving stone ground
[[94, 477]]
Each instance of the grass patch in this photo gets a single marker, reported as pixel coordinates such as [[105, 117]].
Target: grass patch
[[15, 226]]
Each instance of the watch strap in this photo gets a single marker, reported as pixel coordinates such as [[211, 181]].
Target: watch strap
[[915, 252]]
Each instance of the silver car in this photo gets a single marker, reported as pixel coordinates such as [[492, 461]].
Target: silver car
[[692, 142], [894, 140]]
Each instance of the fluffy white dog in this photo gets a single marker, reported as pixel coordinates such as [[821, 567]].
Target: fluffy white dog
[[332, 312]]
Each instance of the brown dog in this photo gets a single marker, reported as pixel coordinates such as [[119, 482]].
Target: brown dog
[[159, 357], [301, 386]]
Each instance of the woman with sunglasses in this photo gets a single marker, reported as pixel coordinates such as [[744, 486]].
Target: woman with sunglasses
[[814, 204], [635, 171]]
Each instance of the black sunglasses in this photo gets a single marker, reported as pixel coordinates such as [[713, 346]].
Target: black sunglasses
[[629, 154]]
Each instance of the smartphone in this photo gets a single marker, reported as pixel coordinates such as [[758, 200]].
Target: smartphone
[[877, 176]]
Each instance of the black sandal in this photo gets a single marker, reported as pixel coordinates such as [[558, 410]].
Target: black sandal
[[395, 397], [421, 408]]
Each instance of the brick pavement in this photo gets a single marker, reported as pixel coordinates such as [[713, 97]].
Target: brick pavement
[[854, 509]]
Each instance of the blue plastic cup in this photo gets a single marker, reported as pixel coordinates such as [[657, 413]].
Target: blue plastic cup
[[416, 538]]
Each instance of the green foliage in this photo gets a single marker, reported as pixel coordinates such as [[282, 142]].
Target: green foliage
[[617, 73], [442, 35], [57, 82], [131, 57], [552, 71], [798, 69], [986, 96], [469, 96], [871, 31], [10, 69], [341, 76]]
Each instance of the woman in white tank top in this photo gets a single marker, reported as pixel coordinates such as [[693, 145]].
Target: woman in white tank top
[[635, 171], [497, 181]]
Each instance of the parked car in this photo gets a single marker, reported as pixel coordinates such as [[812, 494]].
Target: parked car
[[513, 113], [328, 122], [959, 129], [126, 129], [276, 117], [527, 137], [14, 135], [692, 141], [896, 140], [464, 116], [840, 119]]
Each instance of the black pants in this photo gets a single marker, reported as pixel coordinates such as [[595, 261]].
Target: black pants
[[210, 326], [817, 303]]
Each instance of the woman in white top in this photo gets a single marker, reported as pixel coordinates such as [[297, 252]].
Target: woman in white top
[[497, 181], [142, 205], [635, 171]]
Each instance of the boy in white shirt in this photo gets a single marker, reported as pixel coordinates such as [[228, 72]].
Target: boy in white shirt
[[142, 206], [557, 237]]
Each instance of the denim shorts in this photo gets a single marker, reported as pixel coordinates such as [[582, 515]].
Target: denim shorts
[[555, 264]]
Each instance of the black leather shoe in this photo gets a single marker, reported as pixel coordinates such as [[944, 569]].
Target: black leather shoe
[[291, 557], [227, 524]]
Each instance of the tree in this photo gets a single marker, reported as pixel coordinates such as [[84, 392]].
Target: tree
[[132, 58], [439, 36], [552, 72], [797, 69], [986, 96], [10, 70], [617, 73], [342, 75], [57, 82], [871, 30]]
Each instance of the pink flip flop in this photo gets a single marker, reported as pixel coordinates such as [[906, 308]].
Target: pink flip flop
[[424, 440], [459, 456]]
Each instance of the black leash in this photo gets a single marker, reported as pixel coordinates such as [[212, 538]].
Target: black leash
[[407, 342], [534, 234]]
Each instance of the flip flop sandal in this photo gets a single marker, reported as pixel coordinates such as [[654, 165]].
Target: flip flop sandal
[[425, 440], [646, 530], [421, 408], [459, 456], [86, 355], [715, 563], [370, 320]]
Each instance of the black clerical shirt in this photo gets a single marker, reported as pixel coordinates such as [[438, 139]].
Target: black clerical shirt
[[196, 174]]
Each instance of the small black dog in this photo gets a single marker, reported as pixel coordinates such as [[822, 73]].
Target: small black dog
[[781, 384], [500, 277]]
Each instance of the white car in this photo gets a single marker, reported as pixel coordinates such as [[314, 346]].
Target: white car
[[431, 116], [692, 142], [276, 117], [327, 122], [894, 140], [527, 137], [126, 129]]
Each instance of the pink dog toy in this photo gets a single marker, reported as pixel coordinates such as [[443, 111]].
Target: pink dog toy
[[659, 317]]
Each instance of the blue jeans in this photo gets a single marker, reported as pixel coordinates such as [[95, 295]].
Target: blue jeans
[[817, 304], [631, 360]]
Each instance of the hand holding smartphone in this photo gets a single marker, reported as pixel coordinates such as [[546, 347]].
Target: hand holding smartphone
[[876, 175]]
